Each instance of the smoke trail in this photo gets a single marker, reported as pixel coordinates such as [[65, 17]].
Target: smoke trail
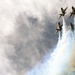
[[64, 27], [72, 61], [59, 61], [74, 22], [59, 36], [62, 55]]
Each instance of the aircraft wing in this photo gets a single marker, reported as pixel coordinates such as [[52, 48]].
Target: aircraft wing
[[62, 10], [65, 8], [73, 8], [56, 31], [59, 16]]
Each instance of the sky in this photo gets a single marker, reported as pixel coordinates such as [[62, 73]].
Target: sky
[[27, 32]]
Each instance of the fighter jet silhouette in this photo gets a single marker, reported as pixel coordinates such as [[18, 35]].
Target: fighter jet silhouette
[[59, 27], [63, 12], [73, 12], [71, 26]]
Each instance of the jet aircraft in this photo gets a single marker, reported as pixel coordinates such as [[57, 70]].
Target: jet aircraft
[[73, 12], [71, 26], [59, 27], [63, 12]]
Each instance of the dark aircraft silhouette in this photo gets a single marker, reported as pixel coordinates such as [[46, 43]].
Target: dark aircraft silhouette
[[73, 12], [71, 26], [59, 27], [63, 12]]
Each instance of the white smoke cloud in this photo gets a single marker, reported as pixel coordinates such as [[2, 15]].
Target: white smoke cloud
[[59, 61], [5, 63]]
